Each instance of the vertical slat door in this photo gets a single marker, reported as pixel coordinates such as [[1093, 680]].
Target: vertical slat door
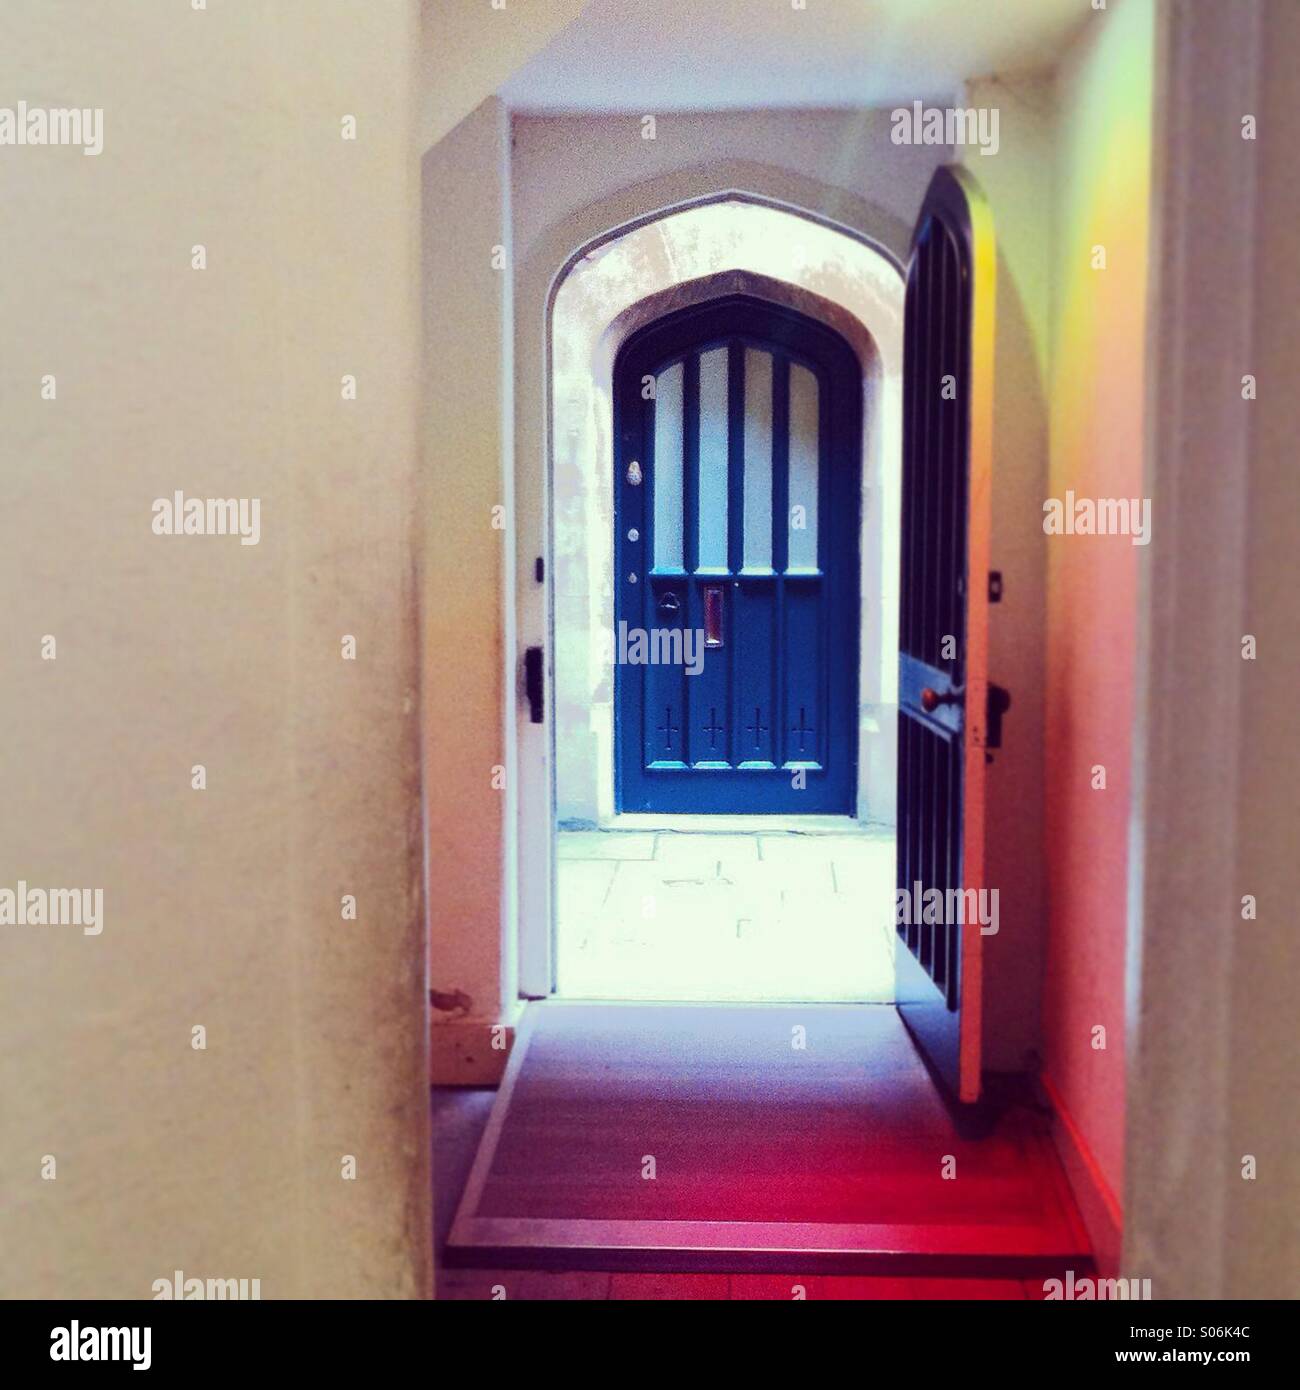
[[736, 526], [943, 596]]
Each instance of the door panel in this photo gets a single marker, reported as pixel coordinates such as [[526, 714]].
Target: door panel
[[712, 468], [739, 476], [756, 544], [942, 727], [668, 451], [803, 470]]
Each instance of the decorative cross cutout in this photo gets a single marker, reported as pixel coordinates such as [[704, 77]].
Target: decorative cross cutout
[[668, 728], [757, 728], [713, 728], [802, 728]]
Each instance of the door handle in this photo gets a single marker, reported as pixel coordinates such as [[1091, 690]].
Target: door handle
[[713, 614], [533, 684], [931, 699]]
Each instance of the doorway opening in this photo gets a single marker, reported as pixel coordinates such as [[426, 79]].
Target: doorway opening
[[788, 1126], [724, 519], [763, 916]]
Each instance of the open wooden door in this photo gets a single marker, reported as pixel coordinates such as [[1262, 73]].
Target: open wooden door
[[944, 709]]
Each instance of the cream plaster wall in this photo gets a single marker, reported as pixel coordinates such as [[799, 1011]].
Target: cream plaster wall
[[838, 164], [466, 561], [469, 48], [221, 907], [1098, 362], [1017, 182]]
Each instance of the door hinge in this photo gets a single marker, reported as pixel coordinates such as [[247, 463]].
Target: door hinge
[[533, 683]]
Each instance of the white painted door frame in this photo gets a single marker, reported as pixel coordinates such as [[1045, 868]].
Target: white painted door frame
[[535, 602]]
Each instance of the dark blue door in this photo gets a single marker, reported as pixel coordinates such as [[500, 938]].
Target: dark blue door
[[737, 496]]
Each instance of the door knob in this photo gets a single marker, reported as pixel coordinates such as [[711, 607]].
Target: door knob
[[931, 699]]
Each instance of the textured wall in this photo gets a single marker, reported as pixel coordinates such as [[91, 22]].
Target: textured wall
[[465, 521], [831, 162], [470, 47], [1263, 1259], [1098, 383], [1017, 182], [222, 907]]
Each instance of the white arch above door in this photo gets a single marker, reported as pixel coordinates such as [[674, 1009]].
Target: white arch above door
[[662, 264]]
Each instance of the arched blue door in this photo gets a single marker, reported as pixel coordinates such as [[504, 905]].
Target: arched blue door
[[737, 497]]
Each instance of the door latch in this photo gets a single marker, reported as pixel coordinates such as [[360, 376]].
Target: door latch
[[533, 683], [999, 703]]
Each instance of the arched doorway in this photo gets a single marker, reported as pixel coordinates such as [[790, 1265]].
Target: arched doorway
[[607, 293]]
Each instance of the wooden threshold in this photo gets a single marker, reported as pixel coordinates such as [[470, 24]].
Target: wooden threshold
[[758, 1247]]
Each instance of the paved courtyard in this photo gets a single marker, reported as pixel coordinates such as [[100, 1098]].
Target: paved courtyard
[[762, 916]]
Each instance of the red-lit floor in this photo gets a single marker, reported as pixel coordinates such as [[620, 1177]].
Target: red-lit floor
[[791, 1145]]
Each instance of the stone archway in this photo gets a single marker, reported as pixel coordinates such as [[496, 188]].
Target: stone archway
[[609, 289]]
